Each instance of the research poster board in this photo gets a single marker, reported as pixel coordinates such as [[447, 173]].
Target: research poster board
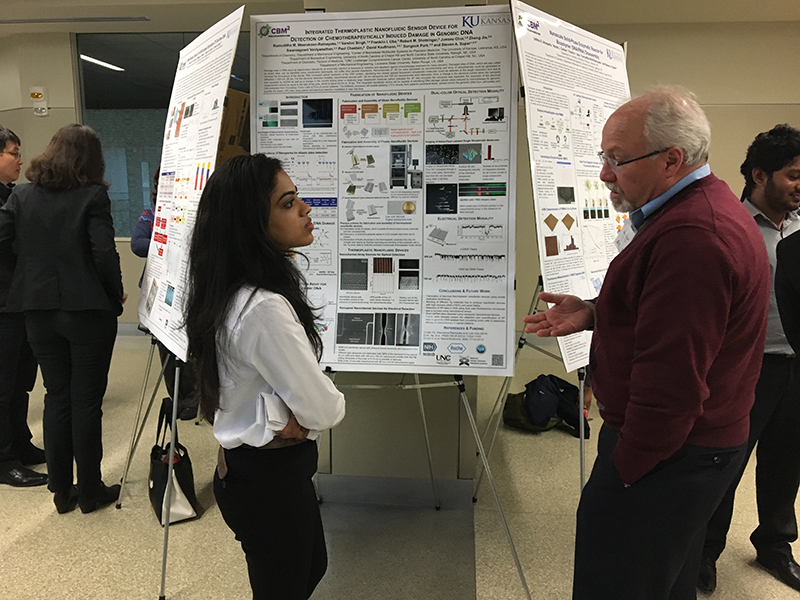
[[573, 81], [188, 157], [399, 130]]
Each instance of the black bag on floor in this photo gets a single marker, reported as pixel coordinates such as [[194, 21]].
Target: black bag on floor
[[516, 416], [547, 401], [184, 503]]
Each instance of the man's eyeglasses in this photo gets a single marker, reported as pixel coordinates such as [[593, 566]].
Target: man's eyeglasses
[[615, 164], [16, 154]]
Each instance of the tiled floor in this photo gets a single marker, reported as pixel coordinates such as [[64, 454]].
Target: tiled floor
[[377, 553]]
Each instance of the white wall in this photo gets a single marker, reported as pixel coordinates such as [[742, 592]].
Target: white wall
[[36, 60]]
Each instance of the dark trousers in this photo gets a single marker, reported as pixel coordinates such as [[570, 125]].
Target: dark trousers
[[17, 377], [268, 500], [74, 351], [775, 434], [646, 540]]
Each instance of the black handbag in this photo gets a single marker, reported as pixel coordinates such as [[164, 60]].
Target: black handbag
[[183, 502]]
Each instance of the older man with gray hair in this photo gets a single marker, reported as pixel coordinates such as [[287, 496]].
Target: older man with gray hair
[[679, 329]]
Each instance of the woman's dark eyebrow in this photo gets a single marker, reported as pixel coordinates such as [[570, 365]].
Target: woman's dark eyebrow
[[287, 193]]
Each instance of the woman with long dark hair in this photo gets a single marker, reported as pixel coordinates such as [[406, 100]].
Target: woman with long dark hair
[[255, 349], [68, 282]]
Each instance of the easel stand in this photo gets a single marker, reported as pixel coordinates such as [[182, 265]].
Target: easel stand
[[581, 419], [136, 435], [459, 382], [496, 414], [402, 386], [168, 492]]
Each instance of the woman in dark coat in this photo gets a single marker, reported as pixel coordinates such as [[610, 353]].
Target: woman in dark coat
[[67, 279]]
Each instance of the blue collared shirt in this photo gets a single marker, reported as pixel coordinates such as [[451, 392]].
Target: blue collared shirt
[[640, 215]]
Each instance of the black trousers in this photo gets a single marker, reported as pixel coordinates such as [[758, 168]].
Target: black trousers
[[268, 500], [17, 377], [646, 540], [74, 351], [775, 435]]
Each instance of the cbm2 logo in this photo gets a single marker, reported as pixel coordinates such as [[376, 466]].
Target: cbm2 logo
[[443, 358], [457, 348], [480, 349], [429, 346], [268, 29]]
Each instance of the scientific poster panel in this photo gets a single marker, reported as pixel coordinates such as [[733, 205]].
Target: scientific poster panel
[[399, 128], [188, 157], [573, 81]]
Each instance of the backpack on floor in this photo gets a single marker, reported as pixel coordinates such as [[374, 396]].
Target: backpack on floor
[[547, 401]]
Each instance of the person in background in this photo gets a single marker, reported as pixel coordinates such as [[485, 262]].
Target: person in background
[[140, 245], [67, 279], [771, 171], [255, 349], [679, 330], [17, 363]]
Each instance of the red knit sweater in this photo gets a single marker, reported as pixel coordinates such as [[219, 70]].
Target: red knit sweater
[[679, 333]]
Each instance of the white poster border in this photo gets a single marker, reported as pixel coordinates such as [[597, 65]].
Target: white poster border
[[585, 212], [452, 357], [162, 298]]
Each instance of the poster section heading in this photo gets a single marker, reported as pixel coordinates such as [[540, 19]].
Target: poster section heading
[[573, 81], [399, 130], [188, 157]]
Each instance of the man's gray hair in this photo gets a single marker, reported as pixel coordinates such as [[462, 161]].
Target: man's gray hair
[[674, 118]]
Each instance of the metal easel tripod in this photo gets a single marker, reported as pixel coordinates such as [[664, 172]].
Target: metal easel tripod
[[136, 434], [496, 414], [459, 382]]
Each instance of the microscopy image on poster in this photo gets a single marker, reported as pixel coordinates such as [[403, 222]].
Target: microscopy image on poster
[[399, 129]]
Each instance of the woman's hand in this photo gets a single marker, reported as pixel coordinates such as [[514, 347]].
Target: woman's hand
[[293, 430]]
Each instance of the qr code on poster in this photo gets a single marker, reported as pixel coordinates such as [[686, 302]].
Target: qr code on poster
[[497, 360]]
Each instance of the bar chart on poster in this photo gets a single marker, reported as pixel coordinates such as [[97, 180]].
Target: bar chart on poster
[[399, 130], [573, 81]]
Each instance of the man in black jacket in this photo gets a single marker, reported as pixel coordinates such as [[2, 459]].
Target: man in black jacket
[[772, 195], [17, 363]]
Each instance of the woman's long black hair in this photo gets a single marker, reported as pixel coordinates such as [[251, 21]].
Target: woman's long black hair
[[230, 248]]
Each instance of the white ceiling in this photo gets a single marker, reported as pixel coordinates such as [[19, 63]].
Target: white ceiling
[[197, 15]]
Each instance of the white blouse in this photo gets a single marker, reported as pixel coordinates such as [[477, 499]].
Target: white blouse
[[267, 368]]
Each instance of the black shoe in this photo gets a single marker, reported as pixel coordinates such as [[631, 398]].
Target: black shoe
[[106, 496], [784, 568], [32, 456], [66, 501], [22, 477], [707, 576], [187, 413]]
